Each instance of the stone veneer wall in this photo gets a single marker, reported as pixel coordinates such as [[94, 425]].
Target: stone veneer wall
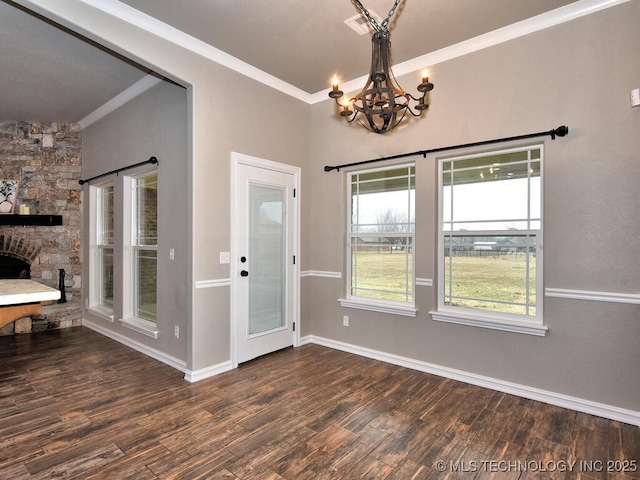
[[46, 159]]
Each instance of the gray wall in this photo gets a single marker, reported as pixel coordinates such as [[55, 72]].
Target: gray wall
[[226, 112], [152, 124], [579, 74]]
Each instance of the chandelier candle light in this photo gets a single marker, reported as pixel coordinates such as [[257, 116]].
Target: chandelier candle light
[[382, 101]]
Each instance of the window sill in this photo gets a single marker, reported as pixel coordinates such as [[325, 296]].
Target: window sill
[[379, 306], [101, 312], [494, 323], [145, 327]]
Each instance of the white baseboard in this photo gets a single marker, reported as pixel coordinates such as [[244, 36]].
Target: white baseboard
[[553, 398], [189, 376], [212, 371], [140, 347]]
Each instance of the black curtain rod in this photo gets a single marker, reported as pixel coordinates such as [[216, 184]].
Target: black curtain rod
[[153, 160], [556, 132]]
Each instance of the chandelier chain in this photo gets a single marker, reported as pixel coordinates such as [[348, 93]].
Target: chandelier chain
[[374, 23]]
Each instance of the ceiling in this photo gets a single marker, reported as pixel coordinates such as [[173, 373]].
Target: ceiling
[[50, 74]]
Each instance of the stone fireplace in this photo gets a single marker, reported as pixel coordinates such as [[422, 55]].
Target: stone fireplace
[[14, 268], [45, 159], [16, 256]]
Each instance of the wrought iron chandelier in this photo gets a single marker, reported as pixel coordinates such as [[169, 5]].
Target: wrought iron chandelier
[[382, 102]]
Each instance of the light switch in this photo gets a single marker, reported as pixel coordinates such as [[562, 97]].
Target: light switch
[[225, 257]]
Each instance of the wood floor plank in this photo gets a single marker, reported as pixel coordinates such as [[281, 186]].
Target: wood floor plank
[[15, 472], [79, 405], [74, 465]]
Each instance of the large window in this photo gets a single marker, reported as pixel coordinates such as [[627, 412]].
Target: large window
[[144, 245], [381, 233], [104, 247], [490, 237]]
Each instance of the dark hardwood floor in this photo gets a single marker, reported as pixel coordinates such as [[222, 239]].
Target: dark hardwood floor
[[75, 404]]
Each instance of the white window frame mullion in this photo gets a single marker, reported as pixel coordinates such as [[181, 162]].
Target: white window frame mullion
[[131, 295], [97, 243], [388, 306], [530, 324]]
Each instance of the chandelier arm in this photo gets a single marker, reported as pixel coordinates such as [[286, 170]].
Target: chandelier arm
[[353, 117], [416, 115], [416, 99], [365, 125]]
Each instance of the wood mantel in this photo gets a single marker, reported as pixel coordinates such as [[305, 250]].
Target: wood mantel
[[31, 220], [22, 298]]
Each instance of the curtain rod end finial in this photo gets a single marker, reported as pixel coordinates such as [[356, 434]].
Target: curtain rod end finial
[[561, 131]]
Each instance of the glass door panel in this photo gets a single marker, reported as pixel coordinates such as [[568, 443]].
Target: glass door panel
[[267, 249]]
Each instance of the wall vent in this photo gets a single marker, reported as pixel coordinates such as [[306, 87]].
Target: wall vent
[[360, 24]]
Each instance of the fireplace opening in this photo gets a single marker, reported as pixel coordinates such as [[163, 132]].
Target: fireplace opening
[[12, 268]]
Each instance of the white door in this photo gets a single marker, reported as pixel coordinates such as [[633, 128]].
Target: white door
[[263, 269]]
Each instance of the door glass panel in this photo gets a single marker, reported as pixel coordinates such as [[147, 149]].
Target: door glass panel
[[266, 259]]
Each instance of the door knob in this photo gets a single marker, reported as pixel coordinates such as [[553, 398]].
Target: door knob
[[244, 273]]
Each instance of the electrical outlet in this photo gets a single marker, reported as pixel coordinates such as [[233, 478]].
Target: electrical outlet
[[172, 254], [225, 258], [345, 321], [176, 331]]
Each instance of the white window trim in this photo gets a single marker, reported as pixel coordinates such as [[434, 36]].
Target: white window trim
[[130, 320], [494, 322], [95, 270], [141, 325], [135, 321], [135, 250], [101, 312], [373, 304], [486, 319]]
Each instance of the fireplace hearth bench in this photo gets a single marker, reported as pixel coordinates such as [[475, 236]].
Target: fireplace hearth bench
[[21, 298]]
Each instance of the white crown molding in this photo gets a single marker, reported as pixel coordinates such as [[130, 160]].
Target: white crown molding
[[534, 24], [141, 20], [156, 27], [613, 297], [116, 102], [545, 396]]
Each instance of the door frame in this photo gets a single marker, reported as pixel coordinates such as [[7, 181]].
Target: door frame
[[238, 159]]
